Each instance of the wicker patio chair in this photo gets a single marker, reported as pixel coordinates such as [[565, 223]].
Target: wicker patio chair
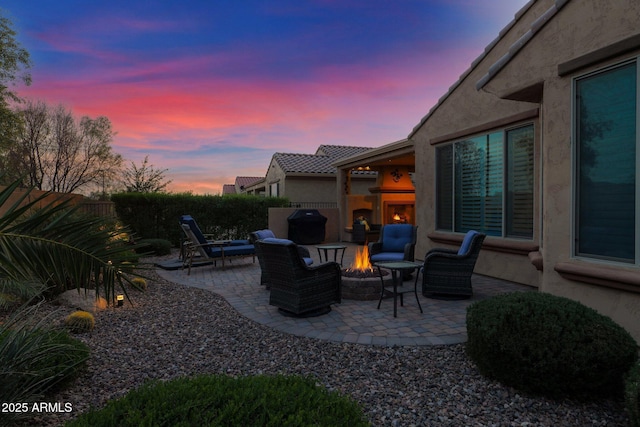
[[447, 272], [268, 234], [296, 288], [397, 242]]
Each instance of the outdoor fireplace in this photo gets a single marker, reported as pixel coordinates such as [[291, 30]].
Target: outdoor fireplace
[[360, 281]]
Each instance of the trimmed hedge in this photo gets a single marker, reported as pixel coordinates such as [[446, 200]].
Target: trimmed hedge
[[222, 400], [154, 246], [549, 345], [156, 215]]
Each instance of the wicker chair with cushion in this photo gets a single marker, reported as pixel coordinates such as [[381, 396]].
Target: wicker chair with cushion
[[296, 288], [268, 234], [447, 272], [397, 242]]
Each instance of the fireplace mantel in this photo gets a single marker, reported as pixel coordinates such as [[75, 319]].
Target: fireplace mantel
[[377, 190]]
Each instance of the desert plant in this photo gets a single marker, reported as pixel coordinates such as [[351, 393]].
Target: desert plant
[[80, 321], [46, 242], [36, 359], [549, 345], [632, 395], [222, 400], [139, 283]]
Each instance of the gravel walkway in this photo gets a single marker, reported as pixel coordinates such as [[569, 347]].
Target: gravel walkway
[[173, 331]]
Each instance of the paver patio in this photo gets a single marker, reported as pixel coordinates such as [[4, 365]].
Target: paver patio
[[443, 322]]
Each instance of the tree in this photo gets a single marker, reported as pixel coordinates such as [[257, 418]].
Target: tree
[[145, 179], [14, 63], [54, 151]]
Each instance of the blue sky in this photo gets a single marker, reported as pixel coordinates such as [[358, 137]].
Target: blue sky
[[211, 89]]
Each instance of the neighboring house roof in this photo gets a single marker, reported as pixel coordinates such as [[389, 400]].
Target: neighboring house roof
[[496, 67], [228, 189], [319, 163], [245, 181]]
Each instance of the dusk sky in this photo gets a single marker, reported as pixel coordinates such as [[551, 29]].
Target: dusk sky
[[211, 89]]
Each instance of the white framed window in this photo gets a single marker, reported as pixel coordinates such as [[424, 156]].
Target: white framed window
[[274, 189], [486, 183], [605, 132]]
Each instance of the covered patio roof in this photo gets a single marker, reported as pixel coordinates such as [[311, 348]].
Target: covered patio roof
[[399, 153]]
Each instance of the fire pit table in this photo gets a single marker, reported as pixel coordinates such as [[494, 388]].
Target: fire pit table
[[397, 269]]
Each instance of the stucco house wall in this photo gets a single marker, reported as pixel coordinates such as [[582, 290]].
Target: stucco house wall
[[466, 112], [310, 178], [579, 29], [527, 76], [311, 189], [275, 175]]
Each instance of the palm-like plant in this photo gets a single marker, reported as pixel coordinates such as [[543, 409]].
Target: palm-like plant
[[46, 242]]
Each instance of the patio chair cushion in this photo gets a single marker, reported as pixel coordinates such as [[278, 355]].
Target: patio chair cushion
[[239, 242], [387, 256], [263, 234], [396, 236], [466, 243], [188, 219], [239, 250]]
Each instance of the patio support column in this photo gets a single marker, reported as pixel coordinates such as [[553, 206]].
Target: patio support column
[[343, 179]]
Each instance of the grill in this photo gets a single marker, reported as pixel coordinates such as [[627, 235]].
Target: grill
[[307, 226]]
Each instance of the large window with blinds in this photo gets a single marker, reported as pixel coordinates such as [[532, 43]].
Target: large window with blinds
[[606, 164], [485, 183]]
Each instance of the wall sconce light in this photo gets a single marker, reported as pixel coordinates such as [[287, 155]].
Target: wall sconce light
[[120, 300]]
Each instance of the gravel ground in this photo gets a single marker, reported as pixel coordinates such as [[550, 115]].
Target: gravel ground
[[173, 331]]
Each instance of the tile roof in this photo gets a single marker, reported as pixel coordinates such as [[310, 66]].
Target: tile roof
[[320, 163], [245, 181], [228, 189]]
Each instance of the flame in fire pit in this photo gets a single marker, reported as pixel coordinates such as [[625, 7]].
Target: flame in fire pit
[[361, 261]]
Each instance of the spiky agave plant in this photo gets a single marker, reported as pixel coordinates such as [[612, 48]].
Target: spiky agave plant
[[45, 240]]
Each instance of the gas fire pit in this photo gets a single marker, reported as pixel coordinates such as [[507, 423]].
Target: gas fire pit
[[360, 281]]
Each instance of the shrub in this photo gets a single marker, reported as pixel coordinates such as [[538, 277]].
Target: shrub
[[155, 215], [139, 283], [80, 321], [549, 345], [221, 400], [632, 395], [154, 246], [35, 360]]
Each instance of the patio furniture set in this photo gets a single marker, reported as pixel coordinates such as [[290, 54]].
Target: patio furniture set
[[299, 288]]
